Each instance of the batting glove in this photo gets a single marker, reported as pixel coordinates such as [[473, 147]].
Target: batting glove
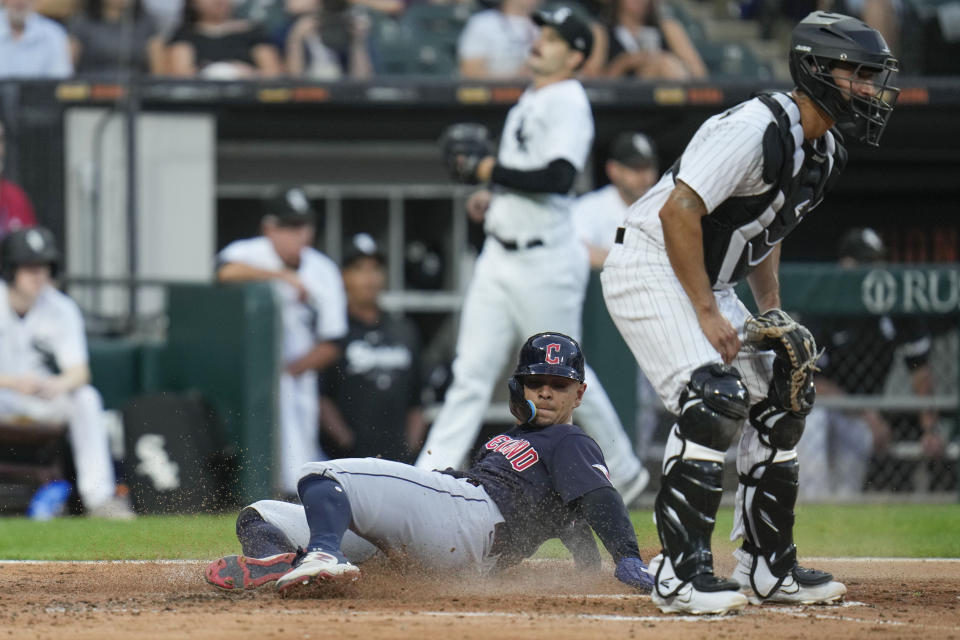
[[634, 572]]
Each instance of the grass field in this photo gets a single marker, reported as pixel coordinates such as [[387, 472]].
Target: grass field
[[822, 530]]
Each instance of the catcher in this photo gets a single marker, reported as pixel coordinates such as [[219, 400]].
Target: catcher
[[542, 479], [746, 179]]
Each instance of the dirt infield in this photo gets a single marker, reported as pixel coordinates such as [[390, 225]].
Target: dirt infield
[[544, 600]]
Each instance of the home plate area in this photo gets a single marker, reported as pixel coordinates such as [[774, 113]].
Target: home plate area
[[541, 599]]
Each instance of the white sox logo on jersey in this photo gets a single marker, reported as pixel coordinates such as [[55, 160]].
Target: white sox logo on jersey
[[519, 452], [553, 348]]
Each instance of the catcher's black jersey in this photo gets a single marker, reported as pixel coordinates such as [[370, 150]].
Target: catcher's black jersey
[[533, 474]]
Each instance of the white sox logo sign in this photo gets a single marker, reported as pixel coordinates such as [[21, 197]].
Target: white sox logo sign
[[553, 348]]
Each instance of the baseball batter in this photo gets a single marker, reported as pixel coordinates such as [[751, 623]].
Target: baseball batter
[[532, 272], [543, 478], [745, 180], [314, 311], [44, 372]]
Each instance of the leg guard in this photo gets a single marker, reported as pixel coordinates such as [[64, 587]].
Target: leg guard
[[713, 405], [767, 568], [768, 516]]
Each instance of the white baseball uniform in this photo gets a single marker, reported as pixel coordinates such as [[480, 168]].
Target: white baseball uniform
[[537, 286], [645, 298], [596, 216], [322, 317], [50, 336]]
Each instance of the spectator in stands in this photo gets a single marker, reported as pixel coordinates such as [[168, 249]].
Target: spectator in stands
[[495, 43], [632, 168], [15, 209], [112, 36], [44, 371], [647, 41], [322, 44], [313, 307], [370, 399], [882, 15], [211, 44], [31, 46], [837, 445]]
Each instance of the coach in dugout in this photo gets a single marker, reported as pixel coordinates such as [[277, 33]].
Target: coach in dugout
[[314, 317]]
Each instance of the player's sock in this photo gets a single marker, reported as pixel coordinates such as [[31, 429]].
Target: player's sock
[[328, 512], [260, 539]]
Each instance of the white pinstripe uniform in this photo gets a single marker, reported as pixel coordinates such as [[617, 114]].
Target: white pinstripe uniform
[[54, 325], [646, 299], [322, 317], [538, 287]]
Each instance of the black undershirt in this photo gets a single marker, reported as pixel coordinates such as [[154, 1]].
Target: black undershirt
[[556, 177]]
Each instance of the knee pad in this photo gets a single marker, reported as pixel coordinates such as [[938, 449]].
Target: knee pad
[[779, 428], [713, 406]]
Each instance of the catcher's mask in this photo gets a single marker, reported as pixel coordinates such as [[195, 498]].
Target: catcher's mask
[[823, 41]]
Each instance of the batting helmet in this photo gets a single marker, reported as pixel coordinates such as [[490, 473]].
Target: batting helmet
[[825, 40], [553, 354], [35, 245]]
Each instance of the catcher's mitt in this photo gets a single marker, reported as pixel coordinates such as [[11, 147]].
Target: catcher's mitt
[[796, 351], [463, 146]]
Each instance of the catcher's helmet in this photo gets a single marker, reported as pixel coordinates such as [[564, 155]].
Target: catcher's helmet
[[35, 245], [553, 354], [825, 40]]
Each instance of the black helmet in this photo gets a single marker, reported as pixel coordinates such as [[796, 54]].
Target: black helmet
[[552, 354], [35, 245], [825, 40], [863, 244]]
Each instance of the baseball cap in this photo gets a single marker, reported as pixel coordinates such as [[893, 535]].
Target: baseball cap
[[634, 150], [362, 245], [291, 208], [571, 28], [863, 245]]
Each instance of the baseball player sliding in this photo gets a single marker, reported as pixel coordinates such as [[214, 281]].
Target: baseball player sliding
[[532, 273], [543, 478], [745, 180]]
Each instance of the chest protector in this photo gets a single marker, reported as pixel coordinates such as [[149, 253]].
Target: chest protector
[[742, 231]]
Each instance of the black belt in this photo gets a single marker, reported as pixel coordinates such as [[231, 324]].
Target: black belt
[[620, 233], [513, 245]]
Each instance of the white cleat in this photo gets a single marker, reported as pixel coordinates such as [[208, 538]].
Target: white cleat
[[316, 570], [715, 595], [801, 586]]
